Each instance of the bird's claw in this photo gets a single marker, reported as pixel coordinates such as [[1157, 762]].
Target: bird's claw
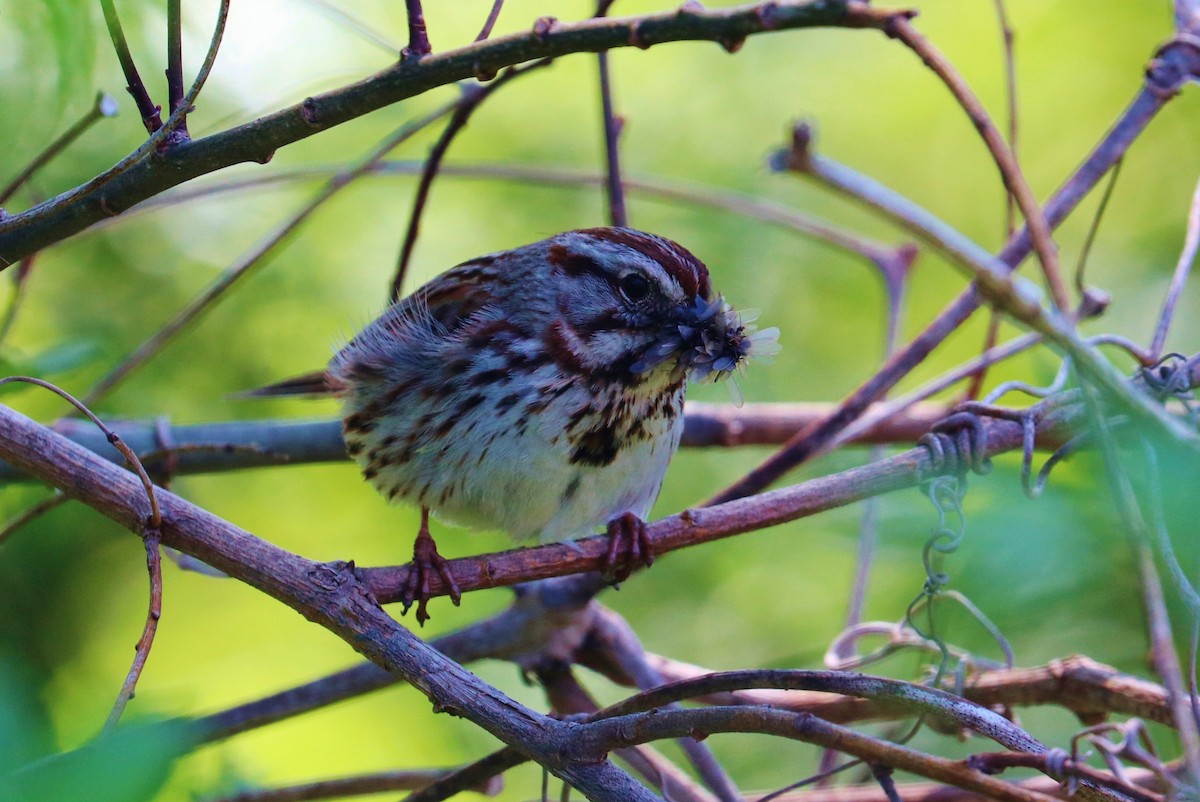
[[627, 533], [426, 560]]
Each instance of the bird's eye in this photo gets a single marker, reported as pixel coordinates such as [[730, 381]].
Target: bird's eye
[[635, 287]]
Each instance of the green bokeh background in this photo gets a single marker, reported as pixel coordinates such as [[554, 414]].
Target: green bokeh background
[[1055, 575]]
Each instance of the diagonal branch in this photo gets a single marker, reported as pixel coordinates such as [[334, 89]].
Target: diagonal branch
[[329, 594], [76, 209]]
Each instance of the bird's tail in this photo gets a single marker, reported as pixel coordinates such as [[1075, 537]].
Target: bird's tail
[[317, 383]]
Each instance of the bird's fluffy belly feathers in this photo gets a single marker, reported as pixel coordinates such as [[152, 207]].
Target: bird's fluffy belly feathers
[[509, 461]]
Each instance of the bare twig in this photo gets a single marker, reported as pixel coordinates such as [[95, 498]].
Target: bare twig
[[161, 135], [34, 512], [175, 90], [253, 258], [989, 342], [1088, 240], [149, 529], [81, 207], [235, 445], [15, 301], [1182, 268], [104, 106], [712, 197], [1010, 87], [612, 124], [1010, 170], [471, 99], [146, 641], [418, 37], [151, 118], [490, 22], [359, 785], [1176, 63]]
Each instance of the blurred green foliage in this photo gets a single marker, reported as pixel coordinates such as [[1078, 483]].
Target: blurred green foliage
[[1056, 575]]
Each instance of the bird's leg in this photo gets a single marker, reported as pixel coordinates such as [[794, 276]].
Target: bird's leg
[[627, 533], [426, 560]]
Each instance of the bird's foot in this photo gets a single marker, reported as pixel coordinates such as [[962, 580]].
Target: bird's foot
[[426, 560], [627, 533]]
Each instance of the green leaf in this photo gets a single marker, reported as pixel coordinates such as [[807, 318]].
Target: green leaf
[[130, 765]]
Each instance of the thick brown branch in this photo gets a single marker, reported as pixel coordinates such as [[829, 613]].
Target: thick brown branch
[[329, 594]]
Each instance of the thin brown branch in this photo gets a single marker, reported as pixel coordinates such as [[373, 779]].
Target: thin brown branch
[[716, 198], [17, 299], [1090, 690], [635, 728], [104, 106], [1093, 228], [490, 22], [996, 762], [695, 526], [32, 513], [1182, 269], [468, 777], [175, 91], [235, 445], [418, 36], [936, 792], [1010, 93], [569, 698], [1166, 660], [136, 179], [1010, 171], [380, 782], [150, 113], [146, 641], [253, 258], [472, 98], [1176, 63]]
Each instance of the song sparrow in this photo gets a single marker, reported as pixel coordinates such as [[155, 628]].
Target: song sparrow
[[537, 390]]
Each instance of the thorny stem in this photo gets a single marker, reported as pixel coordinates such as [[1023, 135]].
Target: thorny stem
[[254, 257], [1182, 268], [146, 107], [104, 106], [473, 97]]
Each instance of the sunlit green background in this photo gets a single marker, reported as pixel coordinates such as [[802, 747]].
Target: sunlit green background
[[1055, 574]]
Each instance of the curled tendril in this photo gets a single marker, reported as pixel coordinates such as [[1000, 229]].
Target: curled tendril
[[1171, 378]]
